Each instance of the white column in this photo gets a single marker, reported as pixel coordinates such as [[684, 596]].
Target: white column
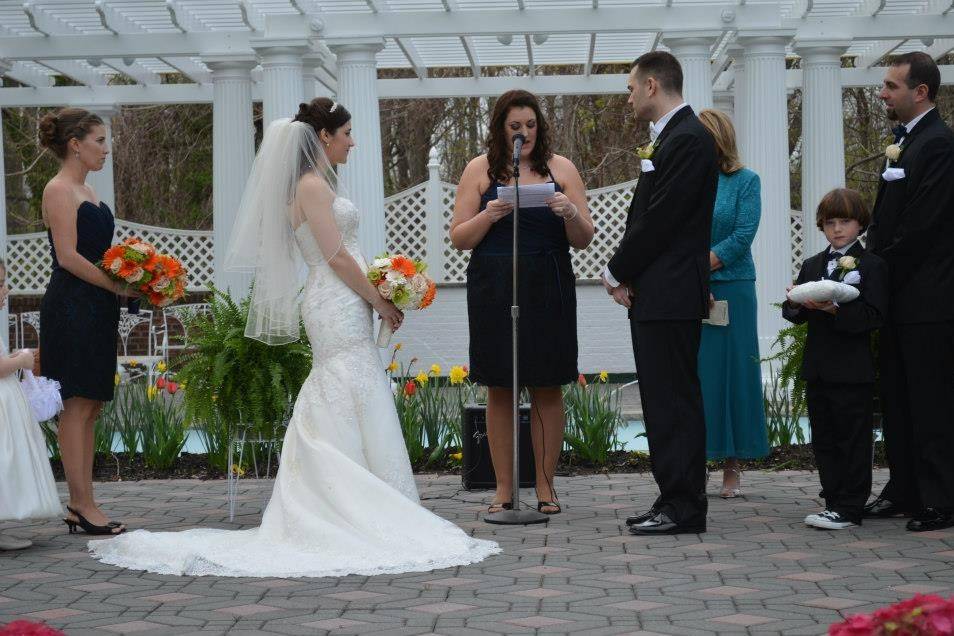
[[725, 101], [363, 176], [282, 84], [764, 124], [4, 313], [103, 181], [738, 93], [434, 218], [694, 55], [233, 149], [823, 141]]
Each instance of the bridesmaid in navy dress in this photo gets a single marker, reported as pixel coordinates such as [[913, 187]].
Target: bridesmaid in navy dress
[[547, 287], [79, 313]]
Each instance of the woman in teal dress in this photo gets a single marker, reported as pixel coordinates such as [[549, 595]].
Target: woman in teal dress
[[729, 368]]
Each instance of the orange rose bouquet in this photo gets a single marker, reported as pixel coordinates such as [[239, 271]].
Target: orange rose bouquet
[[402, 281], [159, 277]]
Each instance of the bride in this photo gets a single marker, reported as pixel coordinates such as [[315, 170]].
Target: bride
[[344, 501]]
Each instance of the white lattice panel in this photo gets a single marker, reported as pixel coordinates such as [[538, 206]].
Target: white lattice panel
[[405, 222], [455, 261], [798, 243], [30, 262], [608, 207]]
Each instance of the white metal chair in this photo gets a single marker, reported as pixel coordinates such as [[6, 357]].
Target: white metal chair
[[168, 342], [13, 329], [128, 323], [31, 318]]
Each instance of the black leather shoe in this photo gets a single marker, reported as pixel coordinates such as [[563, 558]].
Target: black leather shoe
[[931, 519], [661, 524], [645, 516], [885, 509]]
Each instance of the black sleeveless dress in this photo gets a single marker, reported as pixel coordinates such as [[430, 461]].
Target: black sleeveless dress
[[546, 293], [79, 321]]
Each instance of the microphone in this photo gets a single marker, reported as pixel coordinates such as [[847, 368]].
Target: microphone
[[518, 141]]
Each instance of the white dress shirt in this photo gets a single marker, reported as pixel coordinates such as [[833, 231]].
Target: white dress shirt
[[655, 129], [841, 251]]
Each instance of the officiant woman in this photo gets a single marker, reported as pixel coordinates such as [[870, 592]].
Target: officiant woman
[[729, 368], [483, 223]]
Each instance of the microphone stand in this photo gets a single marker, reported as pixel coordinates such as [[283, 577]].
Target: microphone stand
[[516, 516]]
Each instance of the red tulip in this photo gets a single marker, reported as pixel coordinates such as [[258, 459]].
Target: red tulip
[[581, 380], [410, 388], [161, 383], [172, 387]]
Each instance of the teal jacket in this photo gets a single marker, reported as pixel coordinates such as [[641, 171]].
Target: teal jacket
[[735, 219]]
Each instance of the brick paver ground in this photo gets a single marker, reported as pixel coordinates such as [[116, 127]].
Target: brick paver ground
[[758, 570]]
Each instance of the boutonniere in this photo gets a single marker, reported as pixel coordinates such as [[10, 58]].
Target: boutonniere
[[847, 268], [647, 151], [893, 152]]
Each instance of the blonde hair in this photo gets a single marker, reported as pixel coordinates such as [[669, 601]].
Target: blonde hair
[[723, 132]]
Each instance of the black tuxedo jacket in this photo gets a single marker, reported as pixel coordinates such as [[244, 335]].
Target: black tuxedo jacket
[[838, 348], [664, 254], [913, 225]]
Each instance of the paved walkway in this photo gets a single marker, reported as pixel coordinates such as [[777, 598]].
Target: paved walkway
[[757, 570]]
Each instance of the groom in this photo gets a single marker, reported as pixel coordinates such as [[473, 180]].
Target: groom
[[660, 271]]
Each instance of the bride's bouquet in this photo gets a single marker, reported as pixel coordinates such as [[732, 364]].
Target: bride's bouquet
[[160, 278], [402, 281]]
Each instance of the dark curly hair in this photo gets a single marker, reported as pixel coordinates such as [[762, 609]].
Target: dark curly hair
[[498, 142], [56, 129], [318, 114]]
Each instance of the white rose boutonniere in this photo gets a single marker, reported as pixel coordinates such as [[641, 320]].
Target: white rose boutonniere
[[848, 270], [647, 151], [893, 152]]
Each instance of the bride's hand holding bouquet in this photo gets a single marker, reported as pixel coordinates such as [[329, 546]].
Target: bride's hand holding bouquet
[[403, 285]]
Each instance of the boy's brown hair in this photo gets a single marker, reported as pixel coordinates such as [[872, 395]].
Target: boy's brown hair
[[843, 203]]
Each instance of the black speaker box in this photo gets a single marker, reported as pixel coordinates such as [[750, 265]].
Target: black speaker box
[[477, 470]]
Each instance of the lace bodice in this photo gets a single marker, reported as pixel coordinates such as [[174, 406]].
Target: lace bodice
[[346, 216]]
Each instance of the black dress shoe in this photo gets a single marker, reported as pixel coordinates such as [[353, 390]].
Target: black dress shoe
[[931, 519], [645, 516], [885, 508], [662, 524]]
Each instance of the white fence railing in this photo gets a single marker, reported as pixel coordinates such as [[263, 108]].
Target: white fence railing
[[417, 223]]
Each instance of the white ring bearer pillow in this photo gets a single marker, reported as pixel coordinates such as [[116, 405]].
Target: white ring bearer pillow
[[821, 291]]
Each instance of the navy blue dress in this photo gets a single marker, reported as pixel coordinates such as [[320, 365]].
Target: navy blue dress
[[79, 321], [547, 297]]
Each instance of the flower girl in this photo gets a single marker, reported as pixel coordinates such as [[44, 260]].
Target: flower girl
[[27, 489]]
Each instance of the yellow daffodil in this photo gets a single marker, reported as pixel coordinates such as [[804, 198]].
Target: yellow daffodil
[[116, 379], [182, 385], [237, 470], [421, 378], [435, 369], [457, 374], [152, 392], [161, 367], [392, 367], [604, 376], [133, 363], [397, 347], [457, 456]]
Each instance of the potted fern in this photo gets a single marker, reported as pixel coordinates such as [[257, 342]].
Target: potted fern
[[234, 381]]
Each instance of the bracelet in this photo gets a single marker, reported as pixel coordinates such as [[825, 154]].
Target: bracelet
[[576, 213]]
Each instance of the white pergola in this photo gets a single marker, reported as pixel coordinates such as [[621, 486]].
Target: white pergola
[[279, 52]]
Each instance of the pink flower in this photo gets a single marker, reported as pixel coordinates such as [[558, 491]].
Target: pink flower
[[26, 628]]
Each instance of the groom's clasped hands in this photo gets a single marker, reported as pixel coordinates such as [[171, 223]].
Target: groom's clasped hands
[[622, 294]]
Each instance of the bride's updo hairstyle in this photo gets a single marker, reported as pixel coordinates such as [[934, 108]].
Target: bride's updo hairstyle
[[56, 129], [322, 113]]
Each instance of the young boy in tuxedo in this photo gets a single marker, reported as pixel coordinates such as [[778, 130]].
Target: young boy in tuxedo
[[838, 365]]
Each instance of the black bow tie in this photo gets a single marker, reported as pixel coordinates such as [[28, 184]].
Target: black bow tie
[[834, 255], [899, 132]]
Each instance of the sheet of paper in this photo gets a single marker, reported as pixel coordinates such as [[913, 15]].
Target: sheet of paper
[[531, 196]]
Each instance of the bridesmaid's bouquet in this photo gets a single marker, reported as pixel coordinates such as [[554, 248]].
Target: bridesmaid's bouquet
[[402, 281], [160, 278]]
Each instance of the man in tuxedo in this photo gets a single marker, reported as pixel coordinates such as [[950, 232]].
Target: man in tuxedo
[[660, 271], [913, 230]]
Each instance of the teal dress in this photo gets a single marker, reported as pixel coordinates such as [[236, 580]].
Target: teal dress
[[729, 367]]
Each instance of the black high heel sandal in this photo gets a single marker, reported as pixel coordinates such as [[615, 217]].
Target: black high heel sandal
[[549, 504], [89, 528]]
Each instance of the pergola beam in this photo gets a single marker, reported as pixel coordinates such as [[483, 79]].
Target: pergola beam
[[21, 73], [408, 48], [470, 49], [877, 52], [187, 67]]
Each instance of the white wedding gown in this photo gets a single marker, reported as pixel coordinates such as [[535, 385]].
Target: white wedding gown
[[344, 501]]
